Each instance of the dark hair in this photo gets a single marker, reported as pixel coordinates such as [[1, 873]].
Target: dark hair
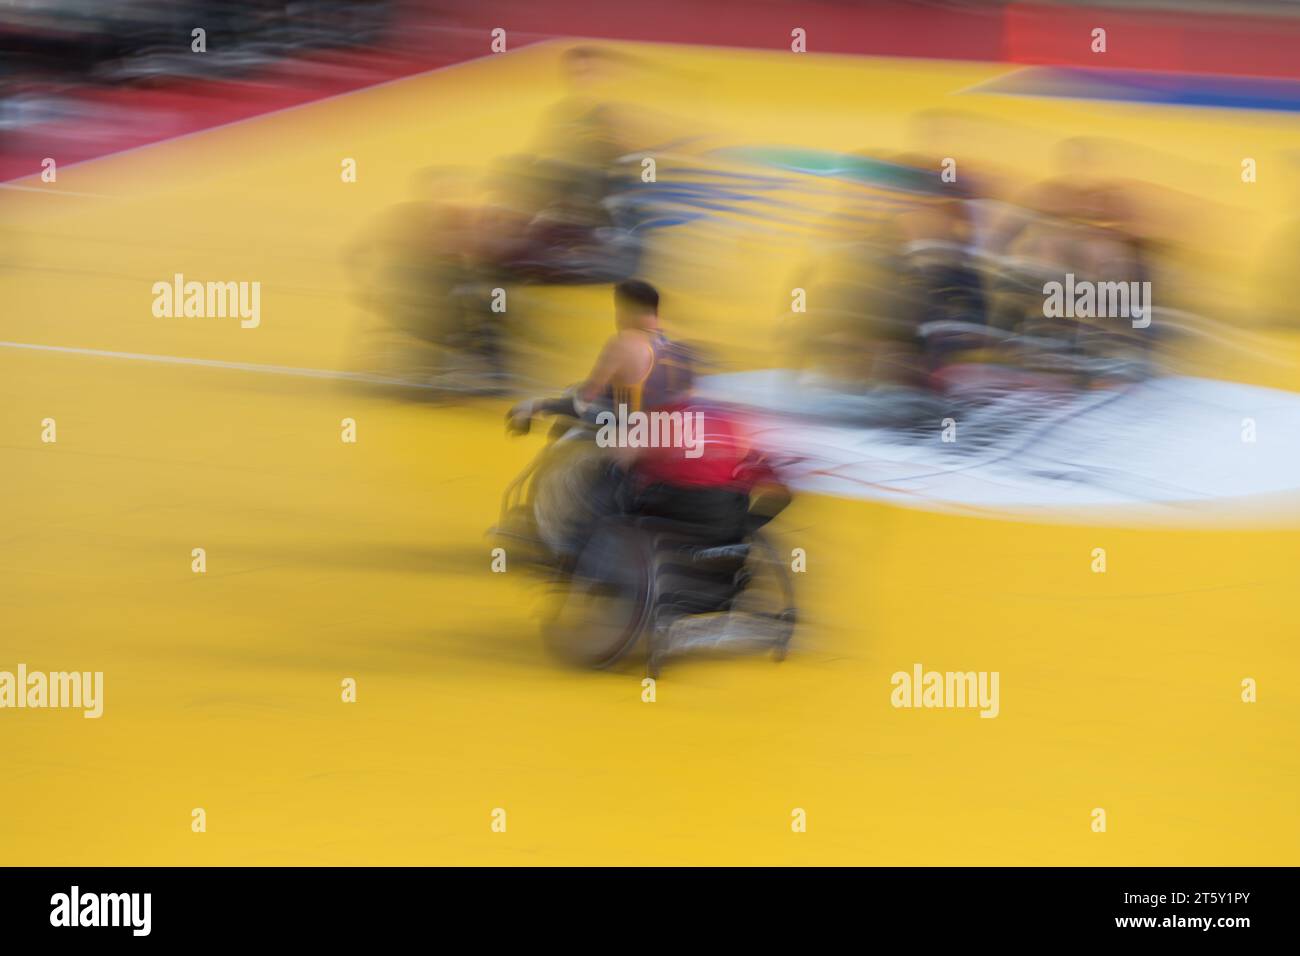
[[579, 54], [638, 292]]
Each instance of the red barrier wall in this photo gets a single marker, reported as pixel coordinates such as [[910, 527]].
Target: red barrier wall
[[450, 31]]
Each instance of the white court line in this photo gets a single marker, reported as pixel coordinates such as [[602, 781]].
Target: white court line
[[978, 85], [54, 190], [327, 373]]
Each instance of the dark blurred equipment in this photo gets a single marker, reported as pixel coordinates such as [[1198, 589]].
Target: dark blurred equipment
[[64, 65], [80, 41], [687, 569]]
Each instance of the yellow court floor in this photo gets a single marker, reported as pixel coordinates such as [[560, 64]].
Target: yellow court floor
[[328, 560]]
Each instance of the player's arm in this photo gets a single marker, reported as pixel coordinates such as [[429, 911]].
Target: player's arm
[[602, 373], [608, 362]]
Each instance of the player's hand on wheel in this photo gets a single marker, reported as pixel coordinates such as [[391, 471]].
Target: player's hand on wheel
[[520, 418]]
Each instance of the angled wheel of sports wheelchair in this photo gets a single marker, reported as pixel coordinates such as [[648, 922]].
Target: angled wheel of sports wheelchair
[[712, 598], [607, 603], [654, 577], [550, 501], [561, 490]]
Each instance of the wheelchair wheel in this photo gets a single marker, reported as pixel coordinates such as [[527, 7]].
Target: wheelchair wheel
[[561, 492], [605, 608], [766, 598], [715, 606]]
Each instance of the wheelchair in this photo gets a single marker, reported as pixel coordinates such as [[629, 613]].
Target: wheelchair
[[637, 579]]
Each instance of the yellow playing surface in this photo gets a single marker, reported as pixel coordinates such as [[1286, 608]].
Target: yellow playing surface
[[328, 560]]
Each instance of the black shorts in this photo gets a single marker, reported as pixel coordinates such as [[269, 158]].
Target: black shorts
[[717, 515]]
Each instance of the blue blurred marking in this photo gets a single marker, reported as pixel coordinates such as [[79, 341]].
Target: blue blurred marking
[[1167, 89]]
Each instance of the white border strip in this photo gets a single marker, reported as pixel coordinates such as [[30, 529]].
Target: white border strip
[[326, 373], [53, 191]]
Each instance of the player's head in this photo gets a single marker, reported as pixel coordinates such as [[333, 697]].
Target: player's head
[[580, 64], [586, 67], [636, 305]]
